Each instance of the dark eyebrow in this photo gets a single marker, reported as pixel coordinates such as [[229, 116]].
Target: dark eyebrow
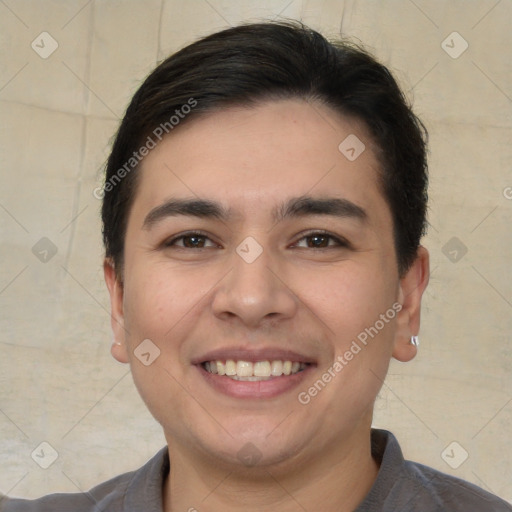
[[202, 208], [294, 207], [307, 205]]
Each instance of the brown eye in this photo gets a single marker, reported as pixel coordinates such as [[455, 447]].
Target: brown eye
[[191, 240], [320, 240]]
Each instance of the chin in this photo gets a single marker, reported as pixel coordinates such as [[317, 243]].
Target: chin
[[260, 444]]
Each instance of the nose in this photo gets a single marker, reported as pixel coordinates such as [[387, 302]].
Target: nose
[[254, 292]]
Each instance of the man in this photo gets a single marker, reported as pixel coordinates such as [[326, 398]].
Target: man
[[263, 207]]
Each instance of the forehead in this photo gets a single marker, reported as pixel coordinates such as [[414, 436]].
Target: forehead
[[251, 158]]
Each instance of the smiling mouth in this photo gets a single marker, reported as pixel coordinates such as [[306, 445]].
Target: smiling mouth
[[254, 371]]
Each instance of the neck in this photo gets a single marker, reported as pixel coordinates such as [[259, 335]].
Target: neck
[[337, 479]]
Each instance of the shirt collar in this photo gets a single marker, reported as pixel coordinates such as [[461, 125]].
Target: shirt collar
[[146, 487]]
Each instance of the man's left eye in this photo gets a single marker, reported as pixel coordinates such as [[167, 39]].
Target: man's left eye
[[321, 241]]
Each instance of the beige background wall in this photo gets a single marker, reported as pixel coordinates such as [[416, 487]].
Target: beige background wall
[[58, 382]]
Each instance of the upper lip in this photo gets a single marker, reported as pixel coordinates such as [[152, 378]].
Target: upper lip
[[253, 355]]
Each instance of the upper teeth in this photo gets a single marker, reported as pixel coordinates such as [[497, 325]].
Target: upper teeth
[[242, 369]]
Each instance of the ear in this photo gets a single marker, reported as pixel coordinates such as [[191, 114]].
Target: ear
[[115, 288], [412, 286]]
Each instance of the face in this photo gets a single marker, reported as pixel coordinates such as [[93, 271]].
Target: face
[[289, 257]]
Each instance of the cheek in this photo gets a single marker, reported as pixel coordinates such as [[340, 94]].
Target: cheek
[[156, 309], [153, 304], [151, 291], [350, 301], [164, 302], [349, 298]]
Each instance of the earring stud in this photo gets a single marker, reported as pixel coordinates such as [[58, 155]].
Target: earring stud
[[414, 341]]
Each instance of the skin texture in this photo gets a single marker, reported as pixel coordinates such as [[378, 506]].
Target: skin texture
[[295, 296]]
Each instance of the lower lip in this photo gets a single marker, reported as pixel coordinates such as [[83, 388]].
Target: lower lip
[[259, 389]]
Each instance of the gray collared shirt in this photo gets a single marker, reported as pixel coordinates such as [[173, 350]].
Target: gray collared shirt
[[401, 486]]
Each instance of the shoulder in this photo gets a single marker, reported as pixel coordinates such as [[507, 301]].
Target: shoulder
[[405, 485], [110, 495], [448, 493]]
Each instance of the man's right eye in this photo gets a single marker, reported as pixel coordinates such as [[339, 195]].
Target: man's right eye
[[191, 240]]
